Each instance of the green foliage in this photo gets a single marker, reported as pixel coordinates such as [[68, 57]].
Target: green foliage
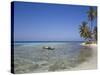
[[85, 31], [91, 14]]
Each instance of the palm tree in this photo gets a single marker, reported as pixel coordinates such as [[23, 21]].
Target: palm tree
[[88, 32], [85, 31], [95, 28], [91, 16], [95, 33]]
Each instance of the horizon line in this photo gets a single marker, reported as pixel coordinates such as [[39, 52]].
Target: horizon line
[[42, 41]]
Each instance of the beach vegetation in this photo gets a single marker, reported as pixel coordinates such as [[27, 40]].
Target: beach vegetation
[[85, 31], [88, 30]]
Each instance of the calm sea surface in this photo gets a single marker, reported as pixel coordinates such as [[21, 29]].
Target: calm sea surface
[[31, 57]]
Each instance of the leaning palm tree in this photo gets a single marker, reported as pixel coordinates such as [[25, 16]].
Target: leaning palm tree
[[85, 31]]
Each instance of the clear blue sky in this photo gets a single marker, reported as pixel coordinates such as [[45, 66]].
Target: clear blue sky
[[47, 22]]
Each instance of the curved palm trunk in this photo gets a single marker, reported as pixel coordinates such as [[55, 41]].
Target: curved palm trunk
[[91, 29], [96, 32], [91, 26]]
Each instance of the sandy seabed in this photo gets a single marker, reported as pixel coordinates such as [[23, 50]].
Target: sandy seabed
[[91, 63], [31, 58]]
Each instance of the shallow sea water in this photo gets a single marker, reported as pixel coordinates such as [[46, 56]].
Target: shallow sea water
[[31, 57]]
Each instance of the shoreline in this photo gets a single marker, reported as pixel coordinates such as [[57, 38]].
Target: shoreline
[[92, 62], [90, 45]]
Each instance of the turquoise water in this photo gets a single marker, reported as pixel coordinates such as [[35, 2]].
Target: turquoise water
[[31, 57]]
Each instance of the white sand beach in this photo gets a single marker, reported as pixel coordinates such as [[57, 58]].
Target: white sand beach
[[92, 62], [92, 45]]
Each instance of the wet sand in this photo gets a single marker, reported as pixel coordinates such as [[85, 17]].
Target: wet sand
[[91, 63]]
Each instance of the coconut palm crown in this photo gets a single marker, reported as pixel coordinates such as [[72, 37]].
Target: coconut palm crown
[[85, 31]]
